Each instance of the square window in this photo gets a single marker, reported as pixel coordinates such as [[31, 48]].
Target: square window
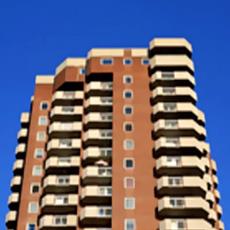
[[33, 207], [129, 182], [106, 61], [130, 224], [44, 105], [34, 188], [128, 127], [127, 61], [82, 70], [128, 94], [31, 227], [128, 163], [37, 170], [41, 136], [128, 110], [129, 203], [144, 61], [127, 79], [39, 153], [42, 120], [128, 144]]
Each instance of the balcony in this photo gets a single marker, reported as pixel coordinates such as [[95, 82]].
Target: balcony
[[213, 165], [66, 113], [103, 137], [180, 146], [207, 178], [98, 120], [65, 146], [219, 210], [99, 104], [25, 119], [22, 135], [20, 151], [94, 175], [64, 129], [181, 186], [178, 110], [216, 194], [183, 207], [68, 98], [194, 224], [96, 195], [16, 183], [221, 225], [212, 216], [61, 184], [58, 222], [182, 127], [172, 79], [13, 201], [215, 180], [18, 167], [62, 165], [173, 94], [210, 197], [58, 204], [176, 166], [96, 216], [97, 88], [11, 220]]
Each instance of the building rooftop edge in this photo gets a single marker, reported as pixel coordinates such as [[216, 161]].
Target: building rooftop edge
[[44, 79]]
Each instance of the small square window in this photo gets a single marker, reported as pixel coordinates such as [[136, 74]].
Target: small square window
[[106, 61], [129, 203], [130, 224], [127, 61], [30, 227], [128, 127], [144, 61], [37, 170], [128, 94], [41, 136], [42, 120], [129, 182], [128, 144], [38, 153], [127, 79], [44, 105], [34, 188], [128, 110], [82, 70], [128, 163], [33, 207]]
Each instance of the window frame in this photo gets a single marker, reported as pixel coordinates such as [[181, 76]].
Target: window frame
[[126, 184], [125, 163], [128, 123], [128, 91], [124, 110], [31, 188], [127, 76], [40, 119], [131, 220], [131, 200], [125, 147], [30, 205], [127, 59], [41, 104], [28, 227], [38, 137], [34, 168], [36, 150], [106, 58], [143, 61]]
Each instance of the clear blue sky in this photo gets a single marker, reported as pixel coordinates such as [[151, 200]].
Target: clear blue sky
[[35, 36]]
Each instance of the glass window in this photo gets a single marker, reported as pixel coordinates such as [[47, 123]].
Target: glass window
[[63, 180], [42, 120], [167, 75], [61, 199], [38, 153], [127, 79], [128, 144], [144, 61], [128, 163], [106, 61], [178, 224], [41, 136], [129, 182], [34, 188], [33, 207], [31, 227], [82, 70], [129, 203], [128, 94], [37, 170], [127, 61], [60, 220], [128, 110], [130, 224], [128, 127], [44, 105]]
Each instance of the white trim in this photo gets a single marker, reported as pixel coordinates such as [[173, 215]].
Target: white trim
[[127, 91], [126, 76], [47, 102], [125, 182], [128, 123], [124, 163], [132, 200], [128, 106], [125, 144], [33, 184], [129, 219]]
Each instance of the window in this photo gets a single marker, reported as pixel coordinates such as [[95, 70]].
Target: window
[[175, 181], [128, 94], [127, 61], [128, 110], [33, 207], [64, 160], [172, 141], [61, 199], [60, 220], [176, 202], [128, 163], [65, 143], [167, 75], [173, 161], [44, 105], [169, 106], [34, 188], [68, 109], [82, 70], [169, 90], [130, 224], [127, 79], [171, 123], [144, 61], [42, 120], [63, 180], [129, 203], [37, 170], [128, 144], [128, 127], [30, 227], [38, 153], [129, 182], [106, 61], [69, 94], [41, 136], [178, 224]]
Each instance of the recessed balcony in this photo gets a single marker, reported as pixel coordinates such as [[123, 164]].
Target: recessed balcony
[[96, 195], [99, 104], [58, 204], [177, 165], [11, 220], [96, 88], [180, 146], [58, 222], [16, 183], [68, 98], [25, 119], [181, 186], [97, 175], [182, 127], [66, 113], [96, 216], [178, 110], [20, 151], [13, 201], [183, 207], [18, 167], [98, 120], [62, 165], [61, 184], [22, 135]]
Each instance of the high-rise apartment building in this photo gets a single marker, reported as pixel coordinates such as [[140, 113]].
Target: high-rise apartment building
[[115, 141]]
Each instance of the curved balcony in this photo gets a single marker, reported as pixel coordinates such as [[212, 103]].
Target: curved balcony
[[181, 186], [96, 216], [212, 216], [176, 166], [20, 151], [22, 135], [182, 127], [210, 197], [216, 194], [178, 110], [13, 201], [68, 98], [221, 225], [58, 204], [94, 175], [99, 104], [18, 167], [181, 145], [98, 120], [25, 120], [16, 183], [213, 165], [11, 220], [60, 184]]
